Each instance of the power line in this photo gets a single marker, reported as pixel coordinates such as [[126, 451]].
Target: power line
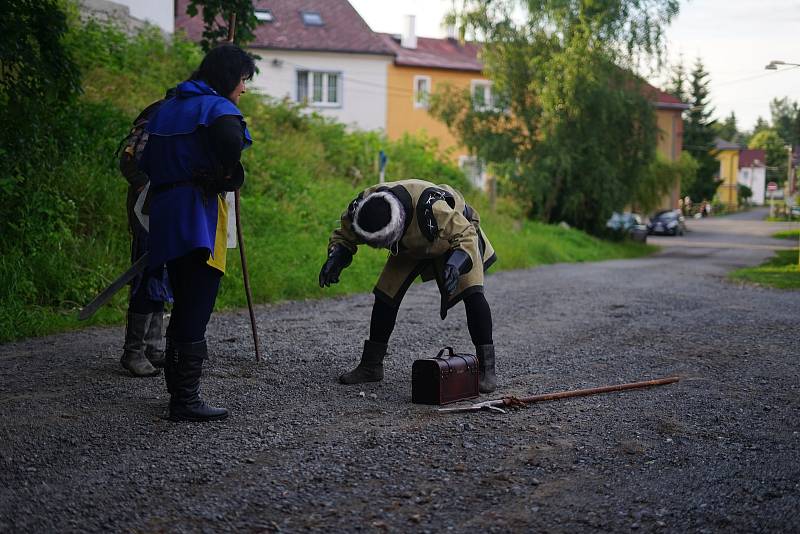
[[753, 77]]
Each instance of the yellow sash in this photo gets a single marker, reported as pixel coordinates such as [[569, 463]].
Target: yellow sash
[[217, 259]]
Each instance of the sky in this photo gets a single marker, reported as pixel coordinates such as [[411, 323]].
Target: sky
[[735, 39]]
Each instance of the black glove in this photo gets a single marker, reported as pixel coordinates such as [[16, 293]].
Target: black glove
[[338, 258], [457, 264]]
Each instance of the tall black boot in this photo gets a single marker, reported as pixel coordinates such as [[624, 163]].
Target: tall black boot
[[487, 380], [371, 367], [154, 340], [185, 403], [133, 358], [170, 364]]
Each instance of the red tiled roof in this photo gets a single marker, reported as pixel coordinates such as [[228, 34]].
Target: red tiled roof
[[343, 29], [664, 100], [436, 53], [752, 158]]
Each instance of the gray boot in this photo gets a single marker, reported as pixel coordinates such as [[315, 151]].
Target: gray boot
[[133, 358], [371, 367], [487, 380], [154, 340]]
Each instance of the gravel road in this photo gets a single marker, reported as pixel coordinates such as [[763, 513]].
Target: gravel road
[[82, 446]]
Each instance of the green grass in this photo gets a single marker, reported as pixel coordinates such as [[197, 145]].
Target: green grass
[[67, 238], [788, 234], [781, 271]]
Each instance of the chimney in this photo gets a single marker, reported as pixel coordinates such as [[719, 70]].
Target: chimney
[[451, 31], [409, 38]]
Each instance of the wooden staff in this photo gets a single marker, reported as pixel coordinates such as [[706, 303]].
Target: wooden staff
[[495, 405], [239, 235]]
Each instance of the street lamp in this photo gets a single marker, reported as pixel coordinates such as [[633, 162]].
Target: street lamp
[[773, 65]]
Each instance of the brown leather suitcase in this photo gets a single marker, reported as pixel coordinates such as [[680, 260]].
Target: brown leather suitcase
[[445, 378]]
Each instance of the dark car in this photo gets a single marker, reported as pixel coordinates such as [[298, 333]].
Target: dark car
[[628, 224], [667, 223]]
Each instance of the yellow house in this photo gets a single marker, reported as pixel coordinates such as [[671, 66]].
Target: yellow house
[[728, 156], [420, 65]]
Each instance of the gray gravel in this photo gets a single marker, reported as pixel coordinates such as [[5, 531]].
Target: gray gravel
[[82, 446]]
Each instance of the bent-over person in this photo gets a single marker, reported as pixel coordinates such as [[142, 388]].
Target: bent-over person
[[430, 232]]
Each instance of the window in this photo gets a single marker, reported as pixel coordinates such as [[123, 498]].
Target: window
[[474, 169], [311, 18], [482, 95], [264, 15], [319, 88], [422, 91]]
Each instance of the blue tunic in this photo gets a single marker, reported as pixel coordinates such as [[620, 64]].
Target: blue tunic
[[182, 218]]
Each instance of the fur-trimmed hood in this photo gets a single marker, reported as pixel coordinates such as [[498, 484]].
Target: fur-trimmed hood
[[390, 234]]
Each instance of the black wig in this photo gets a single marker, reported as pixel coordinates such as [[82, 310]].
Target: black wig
[[224, 67]]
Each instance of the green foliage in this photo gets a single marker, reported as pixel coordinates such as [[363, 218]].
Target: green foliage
[[728, 130], [786, 119], [782, 271], [572, 133], [745, 194], [659, 179], [787, 234], [776, 153], [216, 20], [698, 137]]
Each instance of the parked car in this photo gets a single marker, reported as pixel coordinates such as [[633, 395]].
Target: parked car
[[669, 222], [628, 224]]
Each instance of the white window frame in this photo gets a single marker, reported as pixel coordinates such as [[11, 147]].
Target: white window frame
[[264, 15], [425, 101], [325, 102], [489, 103], [306, 17]]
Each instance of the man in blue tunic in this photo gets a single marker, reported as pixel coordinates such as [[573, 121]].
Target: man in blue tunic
[[192, 157]]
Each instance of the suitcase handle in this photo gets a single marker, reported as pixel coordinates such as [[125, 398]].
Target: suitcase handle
[[450, 355]]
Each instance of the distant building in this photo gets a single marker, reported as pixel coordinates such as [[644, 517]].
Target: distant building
[[320, 52], [669, 119], [422, 64], [753, 173], [727, 154]]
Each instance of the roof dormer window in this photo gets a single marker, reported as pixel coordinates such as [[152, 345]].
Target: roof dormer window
[[264, 15], [311, 18]]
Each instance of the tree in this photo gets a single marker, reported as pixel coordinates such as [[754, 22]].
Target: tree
[[678, 81], [785, 119], [776, 154], [698, 136], [37, 74], [216, 19], [572, 130], [760, 125], [728, 130]]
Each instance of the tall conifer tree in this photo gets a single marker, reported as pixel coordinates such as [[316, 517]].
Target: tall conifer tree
[[699, 134]]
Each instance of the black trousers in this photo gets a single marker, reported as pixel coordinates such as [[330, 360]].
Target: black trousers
[[479, 320], [194, 291]]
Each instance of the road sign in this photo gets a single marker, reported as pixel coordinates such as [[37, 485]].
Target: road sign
[[772, 186]]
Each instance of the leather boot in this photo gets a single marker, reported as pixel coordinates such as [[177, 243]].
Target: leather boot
[[185, 403], [154, 340], [487, 380], [133, 357], [170, 363], [371, 367]]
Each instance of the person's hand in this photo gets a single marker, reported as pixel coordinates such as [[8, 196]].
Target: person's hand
[[451, 275], [338, 259], [457, 264]]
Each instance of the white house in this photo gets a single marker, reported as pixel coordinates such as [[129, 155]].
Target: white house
[[320, 52], [158, 12], [753, 173]]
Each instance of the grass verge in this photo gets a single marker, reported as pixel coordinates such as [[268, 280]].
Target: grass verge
[[781, 271]]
